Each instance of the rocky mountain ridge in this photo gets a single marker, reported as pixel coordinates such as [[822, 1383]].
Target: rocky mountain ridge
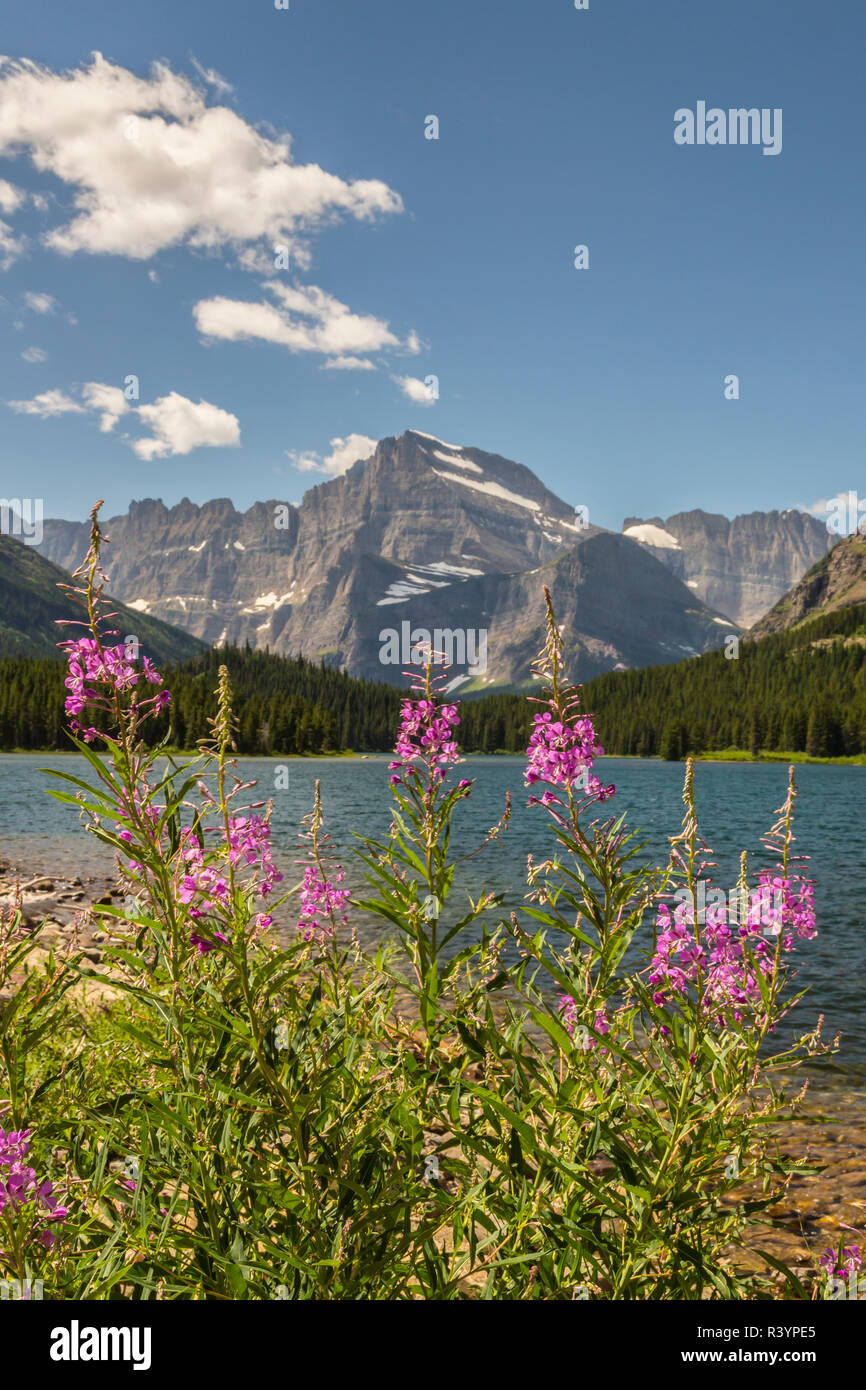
[[434, 535], [740, 567], [837, 581]]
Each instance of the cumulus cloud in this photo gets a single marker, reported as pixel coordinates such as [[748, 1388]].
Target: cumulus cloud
[[108, 400], [417, 391], [39, 303], [35, 354], [180, 425], [349, 364], [304, 319], [47, 405], [11, 197], [11, 246], [213, 79], [151, 165], [177, 425], [344, 452]]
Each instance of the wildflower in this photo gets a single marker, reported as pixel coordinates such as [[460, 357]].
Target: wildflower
[[426, 732], [562, 746], [204, 945], [97, 673], [726, 958], [838, 1265], [322, 902], [568, 1009], [19, 1185]]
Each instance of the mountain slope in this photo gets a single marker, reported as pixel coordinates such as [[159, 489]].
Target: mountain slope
[[837, 581], [617, 607], [740, 567], [426, 533], [798, 691], [30, 603]]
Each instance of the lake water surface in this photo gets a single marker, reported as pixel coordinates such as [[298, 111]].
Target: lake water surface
[[736, 803]]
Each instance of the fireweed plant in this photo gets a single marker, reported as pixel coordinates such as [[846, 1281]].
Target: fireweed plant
[[569, 1102]]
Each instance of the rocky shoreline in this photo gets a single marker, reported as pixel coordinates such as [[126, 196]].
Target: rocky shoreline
[[63, 903], [829, 1131]]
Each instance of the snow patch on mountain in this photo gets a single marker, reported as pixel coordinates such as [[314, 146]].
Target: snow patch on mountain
[[648, 534], [400, 590], [492, 490], [269, 600], [454, 448], [462, 571], [457, 460]]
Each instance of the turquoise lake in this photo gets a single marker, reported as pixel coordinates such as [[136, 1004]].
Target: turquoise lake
[[736, 803]]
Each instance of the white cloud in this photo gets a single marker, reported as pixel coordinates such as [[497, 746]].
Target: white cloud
[[213, 79], [416, 390], [349, 364], [35, 354], [39, 303], [10, 245], [304, 319], [109, 400], [344, 452], [152, 165], [47, 405], [153, 277], [179, 426], [11, 197]]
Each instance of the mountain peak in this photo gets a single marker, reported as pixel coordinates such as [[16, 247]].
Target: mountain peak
[[838, 580], [740, 567]]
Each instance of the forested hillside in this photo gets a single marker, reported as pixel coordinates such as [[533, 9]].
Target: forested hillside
[[798, 691]]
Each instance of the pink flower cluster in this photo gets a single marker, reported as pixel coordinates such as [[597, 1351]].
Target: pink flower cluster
[[204, 888], [322, 903], [19, 1185], [729, 954], [426, 731], [136, 810], [98, 672], [568, 1010], [783, 905], [249, 843], [562, 755], [850, 1262]]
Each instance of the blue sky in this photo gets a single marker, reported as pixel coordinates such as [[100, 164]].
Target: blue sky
[[454, 257]]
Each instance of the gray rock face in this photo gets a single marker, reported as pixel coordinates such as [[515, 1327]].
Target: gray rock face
[[423, 533], [31, 605], [740, 567], [837, 581]]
